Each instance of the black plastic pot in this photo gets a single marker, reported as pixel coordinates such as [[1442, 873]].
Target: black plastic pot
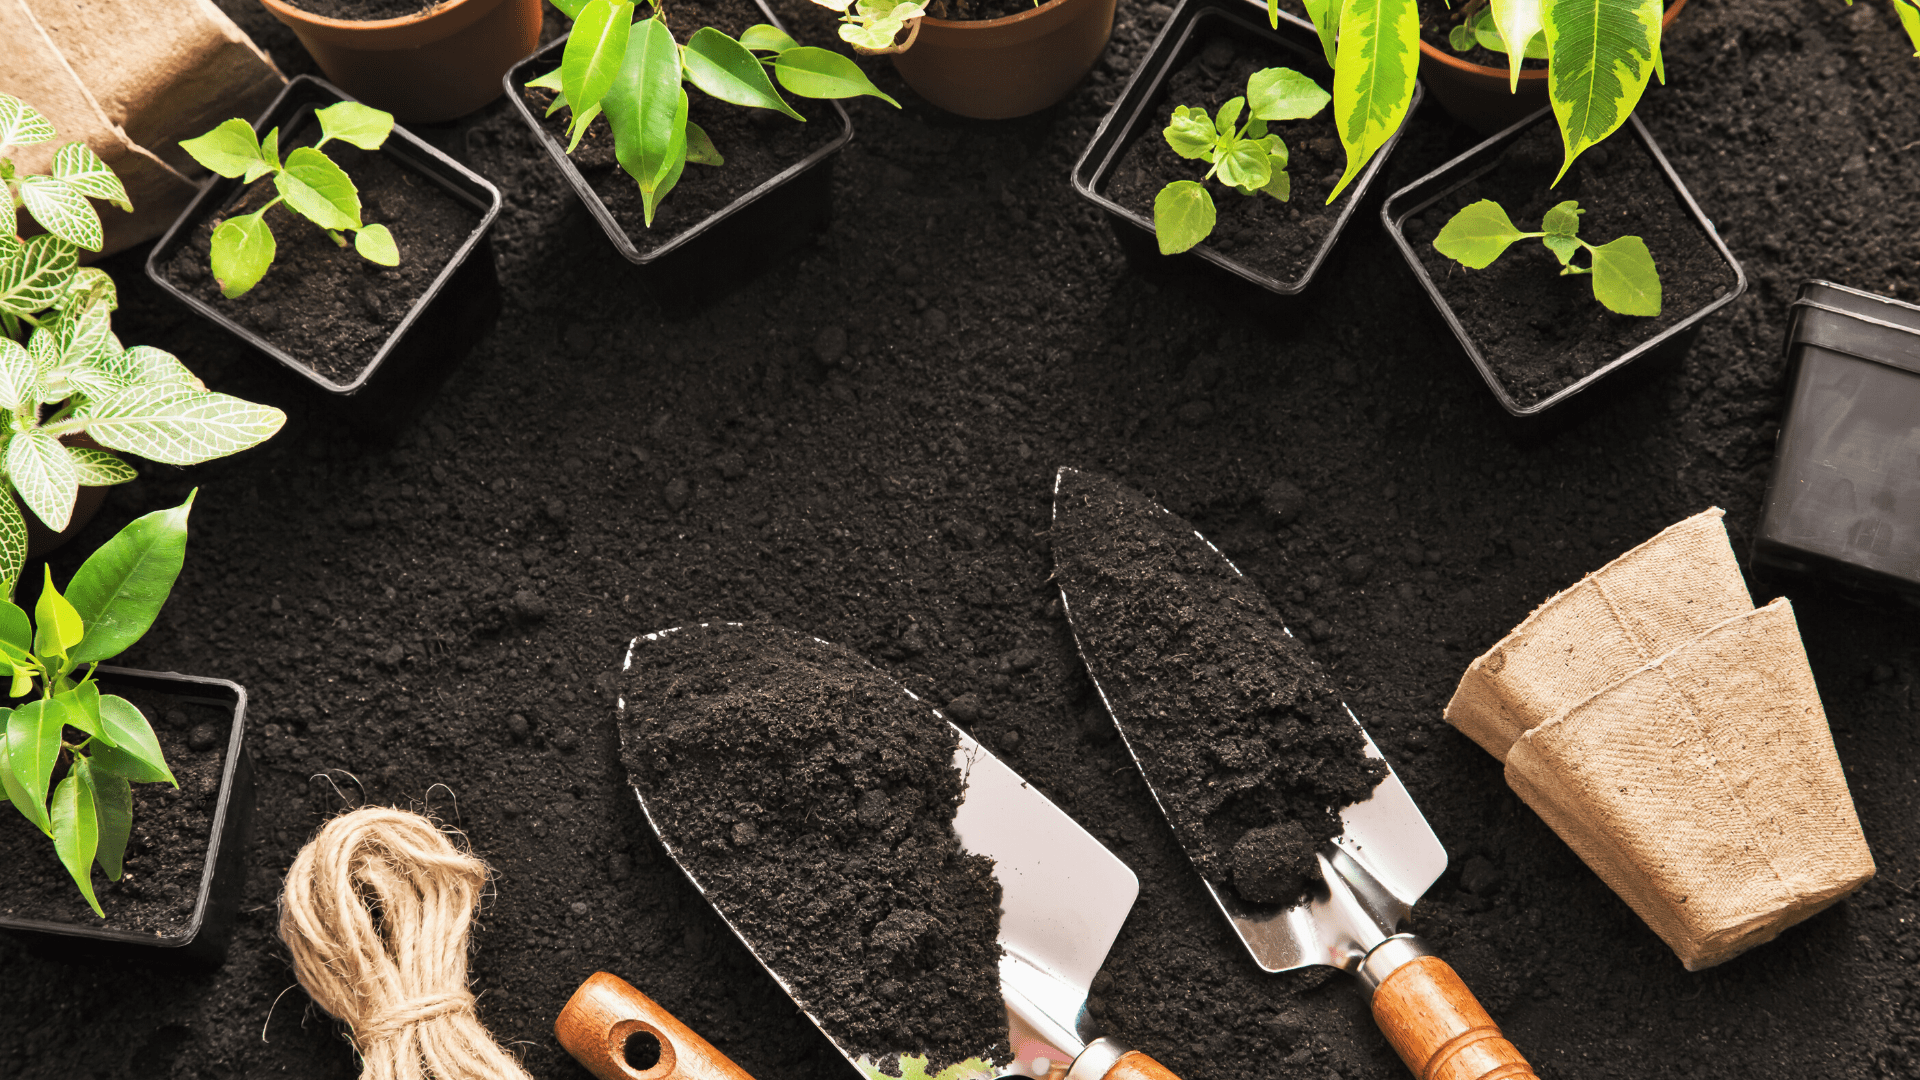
[[1843, 504], [1635, 364], [1187, 31], [443, 325], [725, 248], [204, 940]]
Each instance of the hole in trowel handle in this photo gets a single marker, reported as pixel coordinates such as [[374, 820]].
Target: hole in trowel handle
[[646, 1053], [642, 1051]]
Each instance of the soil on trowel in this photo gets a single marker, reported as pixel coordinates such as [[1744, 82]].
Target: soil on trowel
[[1241, 735], [812, 799]]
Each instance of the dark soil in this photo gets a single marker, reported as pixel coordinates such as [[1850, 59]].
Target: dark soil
[[323, 303], [166, 852], [813, 800], [1437, 20], [861, 444], [365, 10], [980, 10], [1276, 238], [1539, 330], [1241, 734], [757, 144]]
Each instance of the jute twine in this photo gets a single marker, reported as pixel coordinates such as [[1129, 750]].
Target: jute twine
[[376, 912]]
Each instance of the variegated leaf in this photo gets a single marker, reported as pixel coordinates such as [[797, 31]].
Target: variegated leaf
[[44, 475], [144, 365], [18, 374], [99, 468], [13, 546], [1517, 21], [22, 124], [1600, 54], [38, 277], [81, 345], [83, 170], [62, 210], [91, 286], [176, 426], [9, 240], [1373, 77]]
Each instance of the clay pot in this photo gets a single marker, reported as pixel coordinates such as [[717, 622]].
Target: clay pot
[[42, 541], [1478, 96], [1001, 68], [437, 65]]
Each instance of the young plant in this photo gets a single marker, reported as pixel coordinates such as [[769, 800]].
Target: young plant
[[1245, 156], [871, 25], [58, 351], [109, 604], [1624, 278], [632, 69], [308, 181], [914, 1067]]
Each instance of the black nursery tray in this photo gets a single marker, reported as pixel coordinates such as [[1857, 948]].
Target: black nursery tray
[[1136, 116]]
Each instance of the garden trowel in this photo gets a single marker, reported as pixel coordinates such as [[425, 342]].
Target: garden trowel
[[1372, 873], [1064, 897]]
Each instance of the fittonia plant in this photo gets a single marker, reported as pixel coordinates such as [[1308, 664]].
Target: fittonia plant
[[870, 26], [1244, 156], [1624, 277]]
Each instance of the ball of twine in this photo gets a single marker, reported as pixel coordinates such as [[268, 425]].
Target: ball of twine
[[376, 912]]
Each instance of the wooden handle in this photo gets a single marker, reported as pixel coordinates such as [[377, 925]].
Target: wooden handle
[[605, 1012], [1134, 1065], [1441, 1031]]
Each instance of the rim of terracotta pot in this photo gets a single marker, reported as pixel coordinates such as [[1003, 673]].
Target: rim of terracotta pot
[[1428, 51], [406, 31], [993, 24]]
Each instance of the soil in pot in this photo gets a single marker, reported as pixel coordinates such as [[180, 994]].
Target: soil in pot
[[757, 144], [364, 10], [1540, 331], [323, 303], [1437, 20], [1276, 238], [1242, 736], [167, 851], [814, 801], [979, 10]]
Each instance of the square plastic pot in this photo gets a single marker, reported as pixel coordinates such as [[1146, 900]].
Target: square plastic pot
[[729, 246], [1186, 32], [203, 942], [441, 327], [1631, 366], [1843, 503]]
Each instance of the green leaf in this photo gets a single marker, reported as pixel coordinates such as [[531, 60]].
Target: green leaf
[[91, 287], [1600, 56], [1244, 165], [243, 251], [144, 365], [82, 704], [13, 546], [113, 803], [38, 276], [1373, 77], [760, 37], [178, 425], [647, 110], [1564, 248], [349, 121], [700, 148], [375, 244], [1516, 20], [1281, 186], [133, 739], [19, 374], [228, 150], [14, 790], [1462, 38], [549, 81], [44, 475], [1477, 235], [582, 122], [1191, 133], [1624, 278], [1563, 219], [99, 468], [82, 170], [33, 746], [269, 156], [1284, 94], [1183, 215], [122, 586], [76, 828], [16, 631], [21, 124], [814, 72], [1326, 20], [1909, 14], [725, 69], [914, 1067], [1229, 116], [570, 8], [593, 57], [56, 625], [318, 190]]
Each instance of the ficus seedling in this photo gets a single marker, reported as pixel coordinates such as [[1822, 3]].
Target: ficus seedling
[[308, 181], [1624, 277], [1243, 154], [51, 659]]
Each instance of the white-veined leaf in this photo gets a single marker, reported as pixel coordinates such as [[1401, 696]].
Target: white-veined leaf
[[91, 286], [43, 474], [19, 374], [62, 210], [178, 426], [100, 469], [38, 277], [13, 545], [144, 365], [21, 124], [83, 170]]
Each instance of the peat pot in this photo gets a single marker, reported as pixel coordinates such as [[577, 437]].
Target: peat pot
[[375, 343], [1541, 341], [1128, 161], [700, 244], [439, 64], [1843, 504], [196, 931], [1480, 96], [996, 69]]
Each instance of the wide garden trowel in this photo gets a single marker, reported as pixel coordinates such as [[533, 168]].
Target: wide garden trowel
[[1371, 874]]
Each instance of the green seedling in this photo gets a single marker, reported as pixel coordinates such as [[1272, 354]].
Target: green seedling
[[1243, 155], [914, 1067], [308, 181], [631, 70], [1624, 277], [102, 742], [871, 26]]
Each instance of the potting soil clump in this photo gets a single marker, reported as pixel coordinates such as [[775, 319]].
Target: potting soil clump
[[813, 801], [1241, 735]]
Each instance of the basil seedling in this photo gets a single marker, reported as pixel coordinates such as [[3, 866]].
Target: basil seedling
[[1624, 277], [1245, 156]]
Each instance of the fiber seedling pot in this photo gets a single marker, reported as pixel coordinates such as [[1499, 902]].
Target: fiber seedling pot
[[1121, 169], [193, 932], [1839, 506], [1542, 342], [442, 63], [691, 254], [997, 69], [392, 372]]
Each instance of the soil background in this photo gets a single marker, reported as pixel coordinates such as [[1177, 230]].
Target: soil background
[[860, 443]]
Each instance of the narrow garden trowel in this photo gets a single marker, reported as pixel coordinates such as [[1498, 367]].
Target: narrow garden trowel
[[1064, 897], [1372, 874]]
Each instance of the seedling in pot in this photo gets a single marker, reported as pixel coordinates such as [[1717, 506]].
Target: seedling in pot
[[111, 601], [309, 182], [871, 26], [1624, 277], [1245, 156], [632, 69]]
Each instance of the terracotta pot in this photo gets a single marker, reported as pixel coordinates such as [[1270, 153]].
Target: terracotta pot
[[1478, 96], [1002, 68], [437, 65]]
